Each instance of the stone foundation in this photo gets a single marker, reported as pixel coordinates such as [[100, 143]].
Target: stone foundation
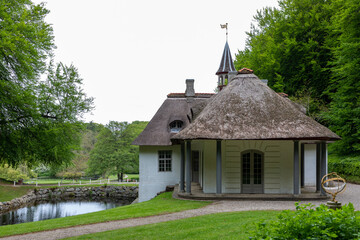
[[66, 193]]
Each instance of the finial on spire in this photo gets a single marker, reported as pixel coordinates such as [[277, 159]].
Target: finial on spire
[[225, 26]]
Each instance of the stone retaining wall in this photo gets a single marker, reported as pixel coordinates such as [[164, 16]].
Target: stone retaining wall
[[65, 193]]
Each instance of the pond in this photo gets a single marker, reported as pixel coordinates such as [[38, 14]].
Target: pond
[[48, 210]]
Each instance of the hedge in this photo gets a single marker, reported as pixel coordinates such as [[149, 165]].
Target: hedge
[[345, 166]]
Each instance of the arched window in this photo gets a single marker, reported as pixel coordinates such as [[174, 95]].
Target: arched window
[[176, 126], [221, 81]]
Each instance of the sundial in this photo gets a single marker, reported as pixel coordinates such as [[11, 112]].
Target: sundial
[[333, 184]]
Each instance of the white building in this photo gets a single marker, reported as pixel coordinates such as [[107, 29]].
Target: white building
[[246, 139]]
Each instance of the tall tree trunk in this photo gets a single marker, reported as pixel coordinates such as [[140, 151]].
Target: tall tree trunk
[[122, 176]]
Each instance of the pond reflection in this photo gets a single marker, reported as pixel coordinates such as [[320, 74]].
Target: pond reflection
[[49, 210]]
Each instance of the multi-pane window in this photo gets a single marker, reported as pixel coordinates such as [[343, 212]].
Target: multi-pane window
[[252, 168], [164, 161], [176, 126], [246, 168], [257, 168]]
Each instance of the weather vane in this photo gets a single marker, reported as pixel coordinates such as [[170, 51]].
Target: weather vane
[[225, 26]]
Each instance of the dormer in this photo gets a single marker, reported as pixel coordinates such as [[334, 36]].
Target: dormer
[[176, 126]]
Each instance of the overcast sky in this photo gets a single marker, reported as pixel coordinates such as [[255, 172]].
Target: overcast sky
[[131, 54]]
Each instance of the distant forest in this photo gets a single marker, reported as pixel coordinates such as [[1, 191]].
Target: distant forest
[[103, 151], [310, 49]]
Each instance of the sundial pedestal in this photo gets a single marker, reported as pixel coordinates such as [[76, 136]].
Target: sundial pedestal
[[333, 205]]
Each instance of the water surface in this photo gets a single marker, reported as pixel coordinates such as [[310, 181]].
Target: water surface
[[49, 210]]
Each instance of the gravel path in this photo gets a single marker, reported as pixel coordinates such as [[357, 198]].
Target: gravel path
[[351, 194]]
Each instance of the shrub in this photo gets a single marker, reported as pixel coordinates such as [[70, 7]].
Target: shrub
[[346, 166], [15, 174], [308, 222], [70, 175]]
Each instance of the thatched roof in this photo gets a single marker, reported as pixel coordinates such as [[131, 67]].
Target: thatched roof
[[175, 107], [249, 109]]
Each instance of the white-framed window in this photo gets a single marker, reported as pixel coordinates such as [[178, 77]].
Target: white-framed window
[[176, 126], [165, 161]]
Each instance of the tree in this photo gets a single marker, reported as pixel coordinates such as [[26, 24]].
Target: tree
[[38, 119], [132, 131], [344, 112], [311, 50], [79, 165], [288, 46], [113, 152]]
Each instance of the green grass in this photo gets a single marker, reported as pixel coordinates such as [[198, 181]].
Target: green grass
[[162, 204], [133, 176], [234, 225], [62, 181], [48, 181], [9, 192], [70, 181], [88, 185]]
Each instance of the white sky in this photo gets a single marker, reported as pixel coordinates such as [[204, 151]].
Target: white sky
[[131, 54]]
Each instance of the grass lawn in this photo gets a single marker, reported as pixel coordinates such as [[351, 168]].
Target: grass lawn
[[52, 181], [129, 176], [62, 181], [70, 181], [133, 176], [162, 204], [9, 192], [234, 225], [89, 185]]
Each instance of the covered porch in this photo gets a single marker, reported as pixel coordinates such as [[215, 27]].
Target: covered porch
[[228, 170], [307, 193], [252, 141]]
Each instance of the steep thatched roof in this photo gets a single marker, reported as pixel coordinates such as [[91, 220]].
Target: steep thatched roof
[[249, 109], [175, 107]]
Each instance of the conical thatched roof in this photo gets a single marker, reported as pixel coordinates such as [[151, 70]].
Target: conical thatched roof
[[249, 109]]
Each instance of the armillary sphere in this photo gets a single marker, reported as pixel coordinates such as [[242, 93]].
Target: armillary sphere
[[333, 184]]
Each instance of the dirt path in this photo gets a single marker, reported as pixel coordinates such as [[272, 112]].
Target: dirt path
[[351, 194]]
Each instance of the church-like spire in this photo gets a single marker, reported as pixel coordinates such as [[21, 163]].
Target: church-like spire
[[226, 64], [226, 68]]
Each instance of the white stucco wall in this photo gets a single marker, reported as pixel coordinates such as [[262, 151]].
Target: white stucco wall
[[278, 165], [151, 180], [287, 167], [209, 161], [310, 164]]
